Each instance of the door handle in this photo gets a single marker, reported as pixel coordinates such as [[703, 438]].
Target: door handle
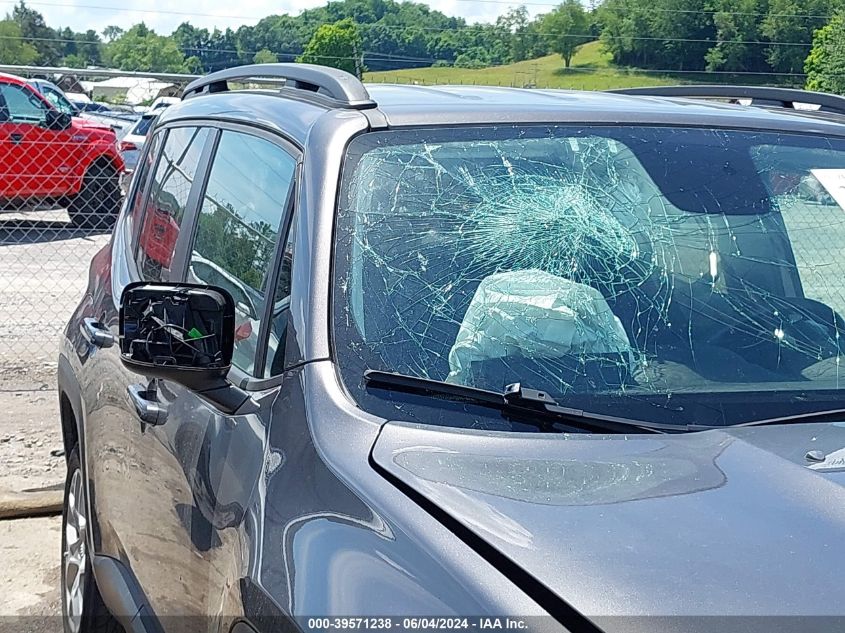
[[96, 333], [16, 138], [146, 406]]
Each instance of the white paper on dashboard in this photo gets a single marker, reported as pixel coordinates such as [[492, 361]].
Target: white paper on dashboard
[[834, 181]]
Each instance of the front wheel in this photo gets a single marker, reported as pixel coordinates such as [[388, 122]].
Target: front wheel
[[98, 202], [83, 610]]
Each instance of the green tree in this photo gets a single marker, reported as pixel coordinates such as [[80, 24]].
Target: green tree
[[193, 65], [265, 56], [627, 32], [566, 28], [285, 35], [35, 30], [338, 45], [790, 31], [738, 24], [13, 50], [684, 31], [141, 49], [473, 58], [89, 47], [526, 37], [74, 61], [112, 32], [825, 65]]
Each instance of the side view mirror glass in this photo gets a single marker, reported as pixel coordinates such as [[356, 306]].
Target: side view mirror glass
[[56, 120], [179, 332]]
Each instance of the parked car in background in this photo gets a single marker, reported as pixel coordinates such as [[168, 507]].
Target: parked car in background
[[90, 106], [50, 158], [120, 122], [463, 351], [132, 142], [96, 107], [162, 102]]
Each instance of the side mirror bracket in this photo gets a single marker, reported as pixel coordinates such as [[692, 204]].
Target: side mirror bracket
[[229, 398]]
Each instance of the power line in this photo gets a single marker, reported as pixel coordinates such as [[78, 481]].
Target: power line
[[388, 56], [586, 36], [662, 10], [371, 54]]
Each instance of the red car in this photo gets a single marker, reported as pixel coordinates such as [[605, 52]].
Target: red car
[[50, 159]]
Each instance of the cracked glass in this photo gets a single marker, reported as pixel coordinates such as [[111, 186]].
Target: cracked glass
[[690, 275]]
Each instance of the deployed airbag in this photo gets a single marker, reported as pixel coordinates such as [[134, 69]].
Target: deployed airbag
[[534, 314]]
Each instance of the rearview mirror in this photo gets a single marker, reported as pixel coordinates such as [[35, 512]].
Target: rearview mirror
[[56, 120], [179, 332]]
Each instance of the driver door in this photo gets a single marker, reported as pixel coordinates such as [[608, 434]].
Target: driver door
[[34, 161], [172, 490]]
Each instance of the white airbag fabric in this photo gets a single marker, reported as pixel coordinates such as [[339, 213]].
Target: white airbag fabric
[[534, 314]]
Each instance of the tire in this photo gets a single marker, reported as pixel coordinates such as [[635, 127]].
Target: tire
[[83, 610], [98, 202]]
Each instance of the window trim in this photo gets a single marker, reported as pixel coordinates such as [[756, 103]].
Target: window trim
[[275, 270], [134, 239], [177, 269], [185, 241], [179, 272]]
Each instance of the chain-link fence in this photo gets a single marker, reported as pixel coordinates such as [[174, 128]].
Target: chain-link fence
[[69, 141]]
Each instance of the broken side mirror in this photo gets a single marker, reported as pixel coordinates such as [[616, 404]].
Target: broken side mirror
[[184, 333]]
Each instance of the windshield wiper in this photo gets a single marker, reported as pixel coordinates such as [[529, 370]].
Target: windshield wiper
[[829, 415], [530, 405]]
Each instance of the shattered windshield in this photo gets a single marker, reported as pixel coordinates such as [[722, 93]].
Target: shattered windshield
[[690, 275]]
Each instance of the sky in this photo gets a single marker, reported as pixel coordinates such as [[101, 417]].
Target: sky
[[165, 15]]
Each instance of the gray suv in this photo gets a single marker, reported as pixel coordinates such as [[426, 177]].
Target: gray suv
[[397, 357]]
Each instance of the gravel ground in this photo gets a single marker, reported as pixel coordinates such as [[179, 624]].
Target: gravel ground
[[29, 574], [43, 273]]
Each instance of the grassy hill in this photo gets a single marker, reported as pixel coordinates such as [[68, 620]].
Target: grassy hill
[[591, 70]]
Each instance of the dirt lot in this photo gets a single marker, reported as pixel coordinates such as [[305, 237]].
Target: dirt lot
[[29, 573], [43, 273]]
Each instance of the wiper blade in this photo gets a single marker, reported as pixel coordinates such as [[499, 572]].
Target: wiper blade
[[517, 400], [829, 415]]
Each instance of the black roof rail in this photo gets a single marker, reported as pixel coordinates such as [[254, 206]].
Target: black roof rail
[[329, 86], [759, 95]]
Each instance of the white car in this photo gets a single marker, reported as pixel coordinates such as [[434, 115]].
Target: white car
[[132, 142]]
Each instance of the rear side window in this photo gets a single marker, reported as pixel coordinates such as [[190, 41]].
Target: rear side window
[[142, 177], [237, 230], [168, 197]]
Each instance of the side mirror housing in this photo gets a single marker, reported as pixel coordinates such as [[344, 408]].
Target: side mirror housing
[[179, 332], [57, 120]]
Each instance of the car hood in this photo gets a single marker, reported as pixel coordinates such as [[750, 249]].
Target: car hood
[[95, 129], [89, 123], [734, 522]]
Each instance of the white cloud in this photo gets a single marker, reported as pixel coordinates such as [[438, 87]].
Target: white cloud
[[164, 15]]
